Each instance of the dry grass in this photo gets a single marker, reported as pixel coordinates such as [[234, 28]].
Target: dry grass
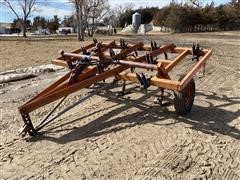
[[31, 52], [129, 137]]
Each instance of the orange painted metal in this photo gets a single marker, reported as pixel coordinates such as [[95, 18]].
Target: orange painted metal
[[114, 66]]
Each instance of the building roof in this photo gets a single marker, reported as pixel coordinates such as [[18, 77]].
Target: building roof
[[5, 25]]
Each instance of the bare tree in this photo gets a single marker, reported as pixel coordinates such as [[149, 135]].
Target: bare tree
[[93, 11], [25, 6], [86, 9], [196, 3], [121, 9], [79, 10], [114, 14]]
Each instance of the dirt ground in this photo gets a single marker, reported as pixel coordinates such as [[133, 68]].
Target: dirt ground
[[128, 137]]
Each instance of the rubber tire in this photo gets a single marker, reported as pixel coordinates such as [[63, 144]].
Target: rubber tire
[[180, 105]]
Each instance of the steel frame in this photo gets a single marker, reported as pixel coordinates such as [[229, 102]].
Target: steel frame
[[92, 63]]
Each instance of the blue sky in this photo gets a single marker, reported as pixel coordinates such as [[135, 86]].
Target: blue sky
[[62, 7]]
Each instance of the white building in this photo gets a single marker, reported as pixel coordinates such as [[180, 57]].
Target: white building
[[65, 29], [5, 28]]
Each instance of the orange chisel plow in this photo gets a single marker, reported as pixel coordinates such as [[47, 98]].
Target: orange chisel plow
[[99, 61]]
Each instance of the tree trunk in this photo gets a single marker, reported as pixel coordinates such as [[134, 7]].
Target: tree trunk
[[93, 26], [80, 34], [89, 31], [24, 28], [81, 21], [78, 21], [24, 32]]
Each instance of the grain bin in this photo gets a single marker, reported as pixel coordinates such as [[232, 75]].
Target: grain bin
[[136, 21]]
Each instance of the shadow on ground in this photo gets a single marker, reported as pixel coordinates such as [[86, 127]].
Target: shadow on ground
[[210, 119]]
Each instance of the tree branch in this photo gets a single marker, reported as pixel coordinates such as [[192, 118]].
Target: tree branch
[[9, 5]]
